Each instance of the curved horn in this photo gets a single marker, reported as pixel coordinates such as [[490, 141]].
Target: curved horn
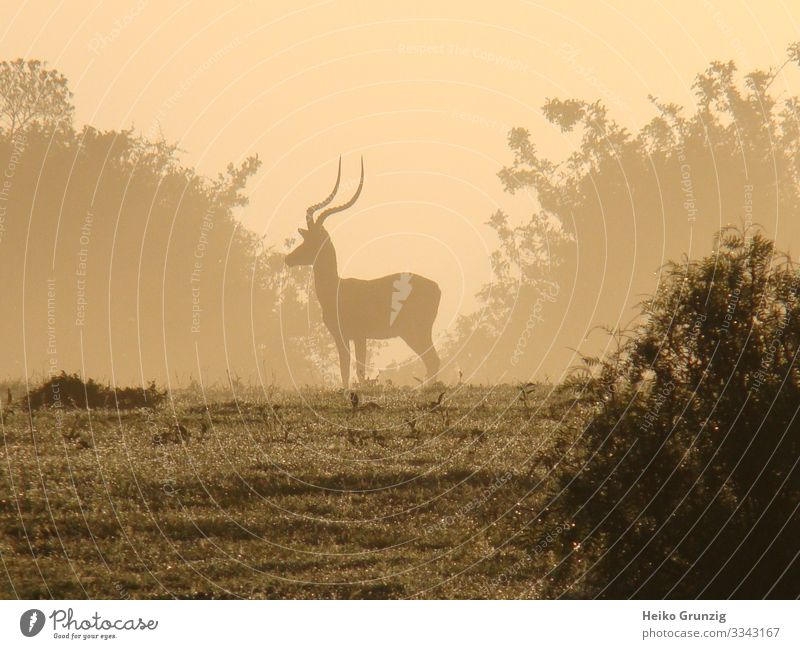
[[310, 211], [340, 208]]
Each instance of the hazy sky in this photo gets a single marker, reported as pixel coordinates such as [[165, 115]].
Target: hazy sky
[[425, 91]]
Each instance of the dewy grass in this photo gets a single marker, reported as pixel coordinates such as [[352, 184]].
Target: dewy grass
[[299, 497]]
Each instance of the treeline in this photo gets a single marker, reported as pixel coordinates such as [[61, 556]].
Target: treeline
[[621, 205], [123, 264]]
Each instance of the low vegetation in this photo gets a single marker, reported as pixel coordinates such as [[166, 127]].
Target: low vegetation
[[300, 495], [71, 391]]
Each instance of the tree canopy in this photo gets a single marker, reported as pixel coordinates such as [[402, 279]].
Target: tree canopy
[[121, 262], [31, 93], [621, 205]]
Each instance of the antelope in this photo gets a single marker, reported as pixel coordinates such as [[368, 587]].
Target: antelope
[[402, 305]]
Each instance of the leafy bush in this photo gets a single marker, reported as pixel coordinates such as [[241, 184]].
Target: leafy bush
[[686, 483], [71, 391]]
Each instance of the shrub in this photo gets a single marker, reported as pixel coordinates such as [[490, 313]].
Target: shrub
[[71, 391], [687, 482]]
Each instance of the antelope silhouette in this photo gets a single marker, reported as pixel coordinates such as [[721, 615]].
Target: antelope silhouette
[[402, 305]]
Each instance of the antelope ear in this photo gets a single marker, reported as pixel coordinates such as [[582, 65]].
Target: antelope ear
[[303, 232]]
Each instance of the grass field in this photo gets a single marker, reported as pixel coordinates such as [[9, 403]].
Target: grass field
[[297, 495]]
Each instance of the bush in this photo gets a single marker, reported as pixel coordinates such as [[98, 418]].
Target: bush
[[71, 391], [687, 484]]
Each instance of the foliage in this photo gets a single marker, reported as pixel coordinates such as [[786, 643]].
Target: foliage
[[618, 201], [686, 483], [71, 391], [31, 93], [138, 263]]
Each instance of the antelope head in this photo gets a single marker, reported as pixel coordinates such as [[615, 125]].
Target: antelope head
[[314, 234]]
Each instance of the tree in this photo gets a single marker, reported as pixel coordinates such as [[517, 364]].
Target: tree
[[146, 271], [624, 202], [30, 93]]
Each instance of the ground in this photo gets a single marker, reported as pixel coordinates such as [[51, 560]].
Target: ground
[[284, 495]]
